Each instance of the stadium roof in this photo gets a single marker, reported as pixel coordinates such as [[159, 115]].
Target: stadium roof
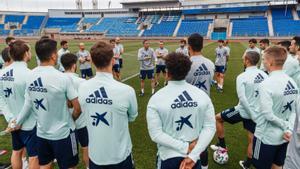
[[44, 5]]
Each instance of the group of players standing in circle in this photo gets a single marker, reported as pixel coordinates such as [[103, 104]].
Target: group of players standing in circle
[[49, 111]]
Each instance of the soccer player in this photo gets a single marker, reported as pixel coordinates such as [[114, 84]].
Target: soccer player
[[277, 111], [84, 58], [182, 124], [12, 88], [200, 75], [146, 57], [64, 49], [293, 156], [116, 66], [109, 106], [182, 48], [120, 47], [220, 63], [252, 46], [8, 40], [47, 93], [38, 62], [6, 58], [295, 47], [263, 45], [161, 53], [202, 70], [247, 85], [69, 63]]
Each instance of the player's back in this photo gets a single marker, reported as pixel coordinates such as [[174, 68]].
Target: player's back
[[277, 96], [109, 105], [292, 67], [201, 73], [13, 84], [250, 79], [183, 110], [48, 89]]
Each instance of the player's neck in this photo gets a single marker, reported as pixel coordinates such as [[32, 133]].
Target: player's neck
[[105, 70], [196, 54], [69, 71], [47, 64], [273, 69]]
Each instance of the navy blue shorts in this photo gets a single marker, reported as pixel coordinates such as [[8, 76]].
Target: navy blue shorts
[[161, 68], [265, 155], [126, 164], [121, 63], [220, 69], [86, 73], [65, 151], [147, 73], [174, 163], [82, 137], [233, 116], [116, 68], [27, 139]]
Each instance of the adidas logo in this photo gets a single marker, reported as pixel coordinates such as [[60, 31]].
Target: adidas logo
[[184, 100], [8, 76], [37, 86], [202, 70], [99, 97], [290, 89], [259, 78]]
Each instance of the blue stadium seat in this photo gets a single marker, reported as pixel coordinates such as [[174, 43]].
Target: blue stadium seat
[[283, 22], [26, 32], [14, 18], [1, 26], [250, 27], [282, 13], [4, 32], [34, 22], [190, 26], [90, 20], [61, 22], [165, 28], [226, 10]]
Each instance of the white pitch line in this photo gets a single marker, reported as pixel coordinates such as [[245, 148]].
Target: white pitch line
[[130, 77]]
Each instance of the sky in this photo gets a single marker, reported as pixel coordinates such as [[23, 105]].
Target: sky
[[44, 5]]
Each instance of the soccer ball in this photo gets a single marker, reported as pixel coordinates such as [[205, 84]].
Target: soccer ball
[[221, 156]]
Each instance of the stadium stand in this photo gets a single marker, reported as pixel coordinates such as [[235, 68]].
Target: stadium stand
[[4, 32], [26, 32], [282, 18], [226, 10], [250, 27], [190, 26], [150, 19], [14, 18], [90, 20], [33, 22], [61, 22]]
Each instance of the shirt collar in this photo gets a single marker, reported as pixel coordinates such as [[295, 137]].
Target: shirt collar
[[73, 74], [276, 72], [19, 63], [251, 68], [179, 82], [104, 75], [196, 56]]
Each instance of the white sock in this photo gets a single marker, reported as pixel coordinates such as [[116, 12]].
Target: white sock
[[142, 90], [204, 167], [153, 90]]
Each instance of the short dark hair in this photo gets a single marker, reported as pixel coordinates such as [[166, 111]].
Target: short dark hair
[[102, 54], [144, 41], [265, 41], [286, 44], [9, 39], [221, 41], [178, 65], [278, 53], [44, 49], [253, 57], [5, 55], [45, 37], [112, 40], [183, 41], [63, 42], [17, 50], [253, 41], [68, 60], [297, 39], [196, 42]]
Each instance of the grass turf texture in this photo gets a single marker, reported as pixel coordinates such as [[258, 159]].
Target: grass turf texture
[[144, 150]]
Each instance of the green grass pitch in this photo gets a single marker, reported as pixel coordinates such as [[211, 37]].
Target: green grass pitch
[[144, 150]]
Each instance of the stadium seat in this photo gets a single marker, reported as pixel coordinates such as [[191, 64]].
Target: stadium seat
[[165, 28], [61, 22], [14, 18], [190, 26], [282, 18], [90, 20], [34, 22], [250, 27]]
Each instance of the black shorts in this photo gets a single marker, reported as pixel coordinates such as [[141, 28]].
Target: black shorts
[[126, 164], [265, 155], [121, 62], [27, 139], [173, 163], [82, 136], [147, 73], [220, 69], [116, 68], [233, 116], [86, 73], [65, 151], [161, 68]]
